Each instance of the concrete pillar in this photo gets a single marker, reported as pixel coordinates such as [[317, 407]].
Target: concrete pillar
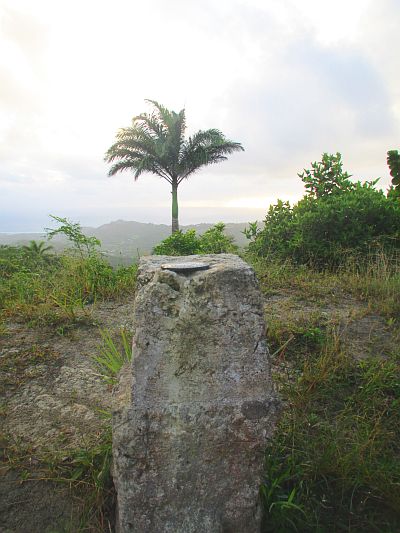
[[189, 443]]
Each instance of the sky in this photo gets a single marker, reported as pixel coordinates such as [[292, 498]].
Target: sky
[[287, 79]]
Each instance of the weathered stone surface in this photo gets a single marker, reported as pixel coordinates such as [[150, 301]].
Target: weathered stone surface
[[188, 449]]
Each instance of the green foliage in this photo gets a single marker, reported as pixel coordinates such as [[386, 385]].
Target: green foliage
[[252, 231], [336, 218], [326, 176], [112, 357], [156, 143], [57, 289], [393, 161], [73, 231], [37, 248], [21, 259], [213, 241], [178, 243]]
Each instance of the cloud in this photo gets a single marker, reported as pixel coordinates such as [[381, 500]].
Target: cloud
[[280, 77]]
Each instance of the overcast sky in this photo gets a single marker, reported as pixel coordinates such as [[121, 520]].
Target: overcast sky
[[288, 79]]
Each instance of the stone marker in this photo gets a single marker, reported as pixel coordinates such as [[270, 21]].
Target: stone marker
[[188, 446]]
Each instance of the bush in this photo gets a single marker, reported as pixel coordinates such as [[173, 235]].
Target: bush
[[213, 241], [323, 228]]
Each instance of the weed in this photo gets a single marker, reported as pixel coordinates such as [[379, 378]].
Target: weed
[[112, 358]]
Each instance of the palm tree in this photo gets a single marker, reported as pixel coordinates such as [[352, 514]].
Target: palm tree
[[155, 143], [37, 248]]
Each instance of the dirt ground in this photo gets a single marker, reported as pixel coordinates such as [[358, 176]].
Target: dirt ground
[[52, 397]]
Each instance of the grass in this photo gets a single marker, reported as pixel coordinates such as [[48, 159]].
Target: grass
[[85, 471], [334, 461], [333, 464], [112, 357], [57, 290], [375, 280]]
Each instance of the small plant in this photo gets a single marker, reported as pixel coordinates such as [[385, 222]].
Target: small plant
[[112, 358], [252, 231], [38, 249], [73, 232]]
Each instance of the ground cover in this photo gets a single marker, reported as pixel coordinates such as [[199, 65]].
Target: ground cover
[[333, 463]]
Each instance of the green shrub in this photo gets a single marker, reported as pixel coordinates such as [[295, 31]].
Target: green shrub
[[213, 241], [179, 243], [335, 219]]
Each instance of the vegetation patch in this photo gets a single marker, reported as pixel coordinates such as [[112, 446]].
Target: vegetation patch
[[213, 241], [334, 221], [333, 464], [46, 289]]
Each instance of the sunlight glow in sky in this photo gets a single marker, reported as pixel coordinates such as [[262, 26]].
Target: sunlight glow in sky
[[289, 80]]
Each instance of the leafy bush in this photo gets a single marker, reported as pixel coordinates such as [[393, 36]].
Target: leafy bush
[[178, 243], [336, 218], [213, 241], [73, 231], [326, 177]]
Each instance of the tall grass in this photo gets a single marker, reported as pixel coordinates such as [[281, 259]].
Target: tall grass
[[374, 279], [333, 464], [57, 289], [334, 461]]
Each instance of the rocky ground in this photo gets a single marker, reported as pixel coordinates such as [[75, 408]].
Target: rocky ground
[[53, 399]]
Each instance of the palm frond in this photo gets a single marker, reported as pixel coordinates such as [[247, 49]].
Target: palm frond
[[175, 123], [155, 143], [150, 124], [205, 147]]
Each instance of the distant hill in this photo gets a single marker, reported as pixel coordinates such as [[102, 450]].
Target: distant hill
[[123, 240]]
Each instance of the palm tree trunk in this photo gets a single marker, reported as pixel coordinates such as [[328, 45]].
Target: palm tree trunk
[[175, 222]]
